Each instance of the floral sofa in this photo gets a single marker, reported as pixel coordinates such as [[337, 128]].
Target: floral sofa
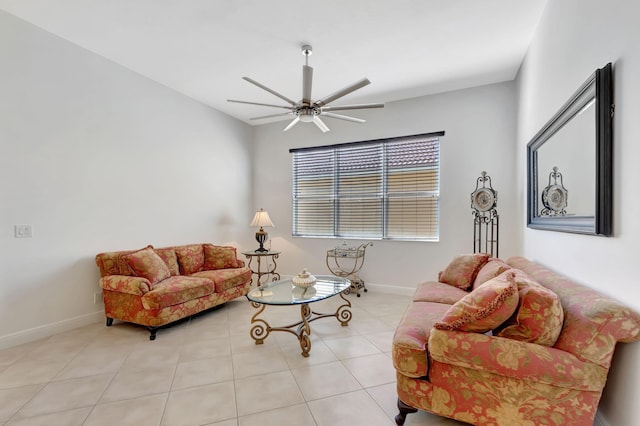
[[157, 286], [507, 343]]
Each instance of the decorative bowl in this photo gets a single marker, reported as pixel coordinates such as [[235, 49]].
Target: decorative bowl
[[303, 293], [304, 279]]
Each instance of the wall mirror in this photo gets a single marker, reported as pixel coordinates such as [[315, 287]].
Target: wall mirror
[[569, 163]]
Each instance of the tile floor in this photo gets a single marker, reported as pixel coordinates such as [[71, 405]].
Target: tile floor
[[208, 371]]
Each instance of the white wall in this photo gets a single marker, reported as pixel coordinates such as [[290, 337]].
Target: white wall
[[480, 133], [574, 38], [99, 158]]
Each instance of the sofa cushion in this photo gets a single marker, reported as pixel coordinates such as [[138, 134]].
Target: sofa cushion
[[539, 316], [110, 263], [462, 270], [177, 290], [485, 308], [226, 279], [168, 255], [432, 291], [592, 321], [219, 257], [409, 349], [190, 258], [527, 364], [123, 264], [147, 264], [491, 269]]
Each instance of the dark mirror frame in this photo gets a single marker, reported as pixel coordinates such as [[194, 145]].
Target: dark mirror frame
[[601, 222]]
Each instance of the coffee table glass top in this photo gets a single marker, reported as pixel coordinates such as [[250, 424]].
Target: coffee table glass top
[[283, 292]]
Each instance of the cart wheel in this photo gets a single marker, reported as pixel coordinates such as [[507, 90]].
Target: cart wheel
[[365, 290], [358, 294]]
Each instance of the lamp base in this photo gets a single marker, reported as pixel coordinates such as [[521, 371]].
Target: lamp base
[[261, 237]]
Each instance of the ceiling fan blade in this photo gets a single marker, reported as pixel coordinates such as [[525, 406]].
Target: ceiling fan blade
[[307, 79], [343, 117], [340, 93], [282, 116], [293, 123], [320, 124], [257, 103], [273, 92], [355, 106]]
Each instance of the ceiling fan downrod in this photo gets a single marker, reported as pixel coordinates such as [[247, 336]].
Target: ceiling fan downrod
[[307, 51]]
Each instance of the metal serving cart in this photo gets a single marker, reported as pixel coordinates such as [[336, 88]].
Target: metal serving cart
[[346, 262]]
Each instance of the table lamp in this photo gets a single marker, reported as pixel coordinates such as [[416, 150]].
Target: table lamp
[[261, 219]]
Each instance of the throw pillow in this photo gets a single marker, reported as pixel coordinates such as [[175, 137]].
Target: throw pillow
[[190, 258], [123, 266], [491, 269], [219, 257], [170, 259], [145, 263], [462, 270], [485, 308], [539, 317]]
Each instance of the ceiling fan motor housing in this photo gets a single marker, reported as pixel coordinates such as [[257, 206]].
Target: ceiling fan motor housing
[[307, 113]]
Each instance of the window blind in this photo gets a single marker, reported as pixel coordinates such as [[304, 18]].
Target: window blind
[[382, 189]]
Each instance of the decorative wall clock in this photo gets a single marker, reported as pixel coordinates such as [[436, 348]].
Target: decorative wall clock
[[484, 201]]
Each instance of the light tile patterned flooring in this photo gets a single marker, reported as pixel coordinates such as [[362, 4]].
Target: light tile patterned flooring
[[208, 371]]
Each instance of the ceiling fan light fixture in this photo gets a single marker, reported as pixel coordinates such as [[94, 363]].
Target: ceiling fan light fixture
[[307, 114]]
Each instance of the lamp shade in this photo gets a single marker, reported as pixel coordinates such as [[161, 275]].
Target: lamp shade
[[261, 219]]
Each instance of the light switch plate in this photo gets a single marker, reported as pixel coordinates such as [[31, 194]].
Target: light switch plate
[[24, 231]]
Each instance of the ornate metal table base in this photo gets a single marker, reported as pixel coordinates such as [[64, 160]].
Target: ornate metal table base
[[270, 268], [301, 329]]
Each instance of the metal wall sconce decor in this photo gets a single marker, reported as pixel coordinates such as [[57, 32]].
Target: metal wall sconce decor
[[484, 201], [578, 141]]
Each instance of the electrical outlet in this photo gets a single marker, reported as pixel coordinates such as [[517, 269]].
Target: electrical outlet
[[23, 231], [97, 297]]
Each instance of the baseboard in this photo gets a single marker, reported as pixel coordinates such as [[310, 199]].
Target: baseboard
[[47, 330], [391, 289], [599, 420]]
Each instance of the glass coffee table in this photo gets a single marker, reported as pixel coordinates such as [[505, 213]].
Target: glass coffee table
[[284, 293]]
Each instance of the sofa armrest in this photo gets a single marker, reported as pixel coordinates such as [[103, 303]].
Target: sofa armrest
[[240, 263], [124, 284], [516, 359]]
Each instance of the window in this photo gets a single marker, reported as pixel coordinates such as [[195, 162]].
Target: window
[[382, 189]]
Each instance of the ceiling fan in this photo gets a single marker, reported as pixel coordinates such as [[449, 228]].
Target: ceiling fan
[[307, 110]]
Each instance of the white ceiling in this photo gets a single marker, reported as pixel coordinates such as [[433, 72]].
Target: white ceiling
[[202, 48]]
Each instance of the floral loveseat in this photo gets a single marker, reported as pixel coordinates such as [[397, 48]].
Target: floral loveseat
[[156, 286], [507, 343]]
